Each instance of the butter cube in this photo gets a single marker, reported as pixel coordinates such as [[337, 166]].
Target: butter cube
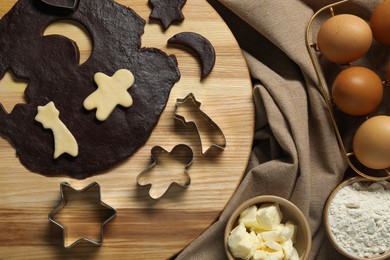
[[257, 243], [282, 233], [295, 255], [276, 255], [260, 237], [273, 245], [248, 217], [270, 235], [259, 255], [269, 216], [287, 248], [294, 230], [241, 243]]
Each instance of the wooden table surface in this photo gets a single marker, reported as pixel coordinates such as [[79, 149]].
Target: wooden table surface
[[143, 228]]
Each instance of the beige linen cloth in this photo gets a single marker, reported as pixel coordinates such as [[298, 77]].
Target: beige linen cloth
[[295, 153]]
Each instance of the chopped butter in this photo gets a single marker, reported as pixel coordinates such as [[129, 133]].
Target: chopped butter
[[295, 255], [241, 243], [294, 229], [273, 245], [248, 217], [259, 255], [288, 249], [275, 255], [280, 234], [269, 216], [268, 238]]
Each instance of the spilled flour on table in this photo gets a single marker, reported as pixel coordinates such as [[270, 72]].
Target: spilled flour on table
[[359, 217]]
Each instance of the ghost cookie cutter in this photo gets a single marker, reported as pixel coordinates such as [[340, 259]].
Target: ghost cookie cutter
[[189, 113], [89, 199], [166, 169]]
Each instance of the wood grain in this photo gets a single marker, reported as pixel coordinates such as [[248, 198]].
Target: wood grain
[[144, 228]]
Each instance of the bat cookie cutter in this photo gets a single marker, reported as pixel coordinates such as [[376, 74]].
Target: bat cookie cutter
[[189, 113], [60, 7], [167, 168], [81, 205]]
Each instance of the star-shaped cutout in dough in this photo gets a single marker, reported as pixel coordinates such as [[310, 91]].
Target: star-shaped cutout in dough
[[111, 92], [167, 11], [81, 214]]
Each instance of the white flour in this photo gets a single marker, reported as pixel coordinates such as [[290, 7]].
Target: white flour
[[359, 217]]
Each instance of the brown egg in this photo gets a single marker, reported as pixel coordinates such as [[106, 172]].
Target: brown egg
[[357, 91], [380, 23], [344, 38], [371, 143]]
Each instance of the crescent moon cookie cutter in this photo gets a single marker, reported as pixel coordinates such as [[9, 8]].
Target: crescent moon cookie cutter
[[312, 48], [89, 200], [167, 169], [188, 112]]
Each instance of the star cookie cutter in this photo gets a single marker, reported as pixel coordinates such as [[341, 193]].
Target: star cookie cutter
[[210, 134], [80, 193], [167, 168]]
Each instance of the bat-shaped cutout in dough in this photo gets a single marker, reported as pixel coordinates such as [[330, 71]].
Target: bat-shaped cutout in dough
[[64, 141], [202, 47], [112, 91]]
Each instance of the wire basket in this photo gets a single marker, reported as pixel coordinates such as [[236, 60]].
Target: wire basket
[[375, 175]]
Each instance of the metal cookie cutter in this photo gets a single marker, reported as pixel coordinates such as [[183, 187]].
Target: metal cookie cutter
[[89, 200], [189, 113], [59, 7], [166, 169]]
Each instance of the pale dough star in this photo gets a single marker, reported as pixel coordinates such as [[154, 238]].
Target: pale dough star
[[112, 91]]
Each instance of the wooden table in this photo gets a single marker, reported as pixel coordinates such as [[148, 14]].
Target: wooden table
[[143, 228]]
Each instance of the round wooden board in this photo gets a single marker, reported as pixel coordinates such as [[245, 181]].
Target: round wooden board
[[145, 228]]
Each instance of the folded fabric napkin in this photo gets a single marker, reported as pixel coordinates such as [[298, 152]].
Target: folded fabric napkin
[[295, 152]]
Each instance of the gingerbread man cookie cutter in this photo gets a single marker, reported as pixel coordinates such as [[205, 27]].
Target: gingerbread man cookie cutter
[[167, 169]]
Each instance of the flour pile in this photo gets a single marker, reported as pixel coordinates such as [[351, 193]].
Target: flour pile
[[359, 217]]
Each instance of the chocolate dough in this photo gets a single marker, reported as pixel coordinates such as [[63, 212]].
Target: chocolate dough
[[202, 47], [50, 63], [167, 11]]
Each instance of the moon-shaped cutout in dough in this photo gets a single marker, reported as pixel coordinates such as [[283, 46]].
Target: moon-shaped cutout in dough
[[74, 31], [202, 47]]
